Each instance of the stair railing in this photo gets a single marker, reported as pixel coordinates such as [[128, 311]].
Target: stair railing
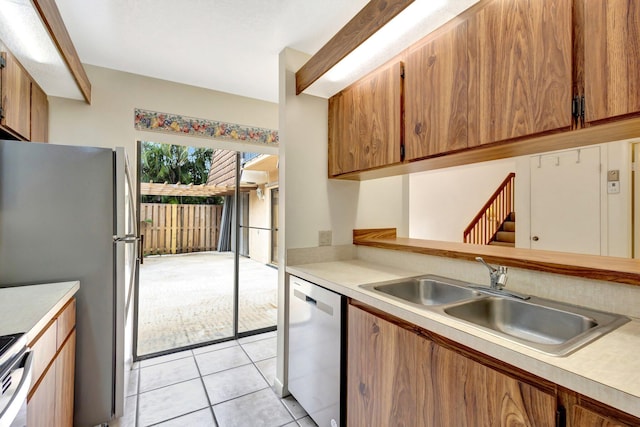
[[484, 226]]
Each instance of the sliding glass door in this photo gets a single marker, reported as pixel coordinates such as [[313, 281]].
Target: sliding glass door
[[207, 274]]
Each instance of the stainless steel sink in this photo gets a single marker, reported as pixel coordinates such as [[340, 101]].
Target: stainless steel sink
[[551, 327], [425, 290]]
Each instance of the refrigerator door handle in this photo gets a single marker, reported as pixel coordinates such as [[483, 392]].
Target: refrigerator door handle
[[127, 238]]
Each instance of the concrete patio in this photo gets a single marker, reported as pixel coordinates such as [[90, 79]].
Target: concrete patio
[[188, 299]]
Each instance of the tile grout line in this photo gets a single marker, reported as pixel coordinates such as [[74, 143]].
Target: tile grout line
[[269, 385], [206, 393]]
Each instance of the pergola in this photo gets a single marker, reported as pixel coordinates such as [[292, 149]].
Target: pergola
[[165, 189]]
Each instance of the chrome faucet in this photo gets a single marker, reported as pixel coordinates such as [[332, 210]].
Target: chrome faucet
[[497, 274]]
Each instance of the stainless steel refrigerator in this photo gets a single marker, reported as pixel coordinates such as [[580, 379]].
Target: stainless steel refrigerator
[[66, 213]]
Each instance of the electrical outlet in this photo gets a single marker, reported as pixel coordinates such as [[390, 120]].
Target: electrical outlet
[[324, 238]]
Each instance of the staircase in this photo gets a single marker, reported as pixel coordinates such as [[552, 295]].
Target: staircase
[[495, 222], [506, 234]]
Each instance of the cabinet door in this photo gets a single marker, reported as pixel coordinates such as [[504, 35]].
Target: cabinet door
[[39, 114], [381, 386], [457, 391], [65, 367], [436, 75], [583, 417], [365, 123], [612, 55], [521, 69], [41, 404], [16, 97]]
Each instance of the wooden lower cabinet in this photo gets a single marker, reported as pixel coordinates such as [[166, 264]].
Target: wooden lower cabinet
[[401, 375], [395, 377], [586, 418], [457, 391], [381, 381], [41, 405], [50, 399], [65, 376]]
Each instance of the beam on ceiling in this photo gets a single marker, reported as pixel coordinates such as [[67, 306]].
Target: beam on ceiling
[[370, 19], [50, 15]]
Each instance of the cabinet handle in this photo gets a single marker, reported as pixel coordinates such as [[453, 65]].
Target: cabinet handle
[[535, 238]]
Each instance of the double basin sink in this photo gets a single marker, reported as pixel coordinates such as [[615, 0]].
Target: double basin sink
[[550, 327]]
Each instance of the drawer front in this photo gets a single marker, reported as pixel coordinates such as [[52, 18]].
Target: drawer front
[[44, 349], [66, 322]]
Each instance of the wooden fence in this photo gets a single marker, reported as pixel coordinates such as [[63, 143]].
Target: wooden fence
[[176, 229]]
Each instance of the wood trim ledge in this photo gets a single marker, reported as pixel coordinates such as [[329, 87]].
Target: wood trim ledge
[[611, 269], [370, 19], [52, 20]]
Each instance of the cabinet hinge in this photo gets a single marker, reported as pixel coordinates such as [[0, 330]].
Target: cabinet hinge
[[3, 62], [561, 417], [634, 166], [1, 113], [402, 71], [401, 152], [577, 109]]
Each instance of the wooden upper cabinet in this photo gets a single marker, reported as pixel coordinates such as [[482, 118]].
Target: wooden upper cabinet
[[381, 386], [436, 107], [365, 122], [458, 391], [611, 58], [521, 73], [39, 114], [16, 97]]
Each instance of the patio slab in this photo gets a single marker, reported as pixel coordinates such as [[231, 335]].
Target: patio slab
[[187, 299]]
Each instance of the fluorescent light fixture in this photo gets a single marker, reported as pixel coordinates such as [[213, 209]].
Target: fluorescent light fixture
[[415, 14], [23, 30], [23, 33]]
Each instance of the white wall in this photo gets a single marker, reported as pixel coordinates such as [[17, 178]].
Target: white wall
[[108, 121], [309, 201], [443, 202]]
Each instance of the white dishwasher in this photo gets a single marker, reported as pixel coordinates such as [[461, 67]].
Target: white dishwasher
[[316, 351]]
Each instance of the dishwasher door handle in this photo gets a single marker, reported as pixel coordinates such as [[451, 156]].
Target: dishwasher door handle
[[312, 301]]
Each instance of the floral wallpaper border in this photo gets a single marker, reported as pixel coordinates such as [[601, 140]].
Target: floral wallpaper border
[[174, 123]]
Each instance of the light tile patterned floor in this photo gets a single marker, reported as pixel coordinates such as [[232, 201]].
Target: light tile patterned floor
[[225, 385]]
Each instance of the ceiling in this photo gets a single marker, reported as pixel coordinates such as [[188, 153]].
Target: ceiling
[[226, 45]]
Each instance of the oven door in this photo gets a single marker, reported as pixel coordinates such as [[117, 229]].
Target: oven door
[[14, 397]]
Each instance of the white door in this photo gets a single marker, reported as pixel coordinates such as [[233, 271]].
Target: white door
[[565, 201]]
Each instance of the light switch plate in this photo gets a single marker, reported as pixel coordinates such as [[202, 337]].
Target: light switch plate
[[613, 175]]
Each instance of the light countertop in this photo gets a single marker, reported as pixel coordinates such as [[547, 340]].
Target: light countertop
[[607, 369], [29, 308]]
